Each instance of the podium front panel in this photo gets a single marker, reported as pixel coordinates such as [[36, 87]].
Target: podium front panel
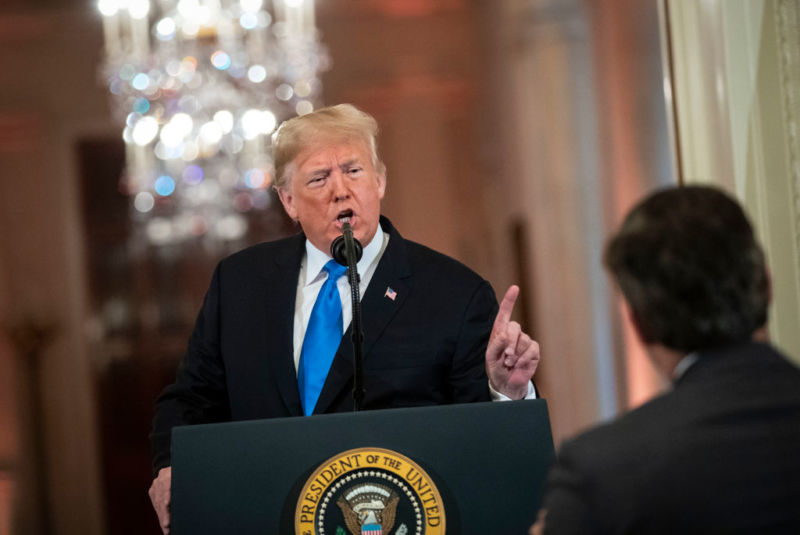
[[489, 462]]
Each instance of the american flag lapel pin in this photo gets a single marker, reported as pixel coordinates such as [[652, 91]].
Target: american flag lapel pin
[[391, 294]]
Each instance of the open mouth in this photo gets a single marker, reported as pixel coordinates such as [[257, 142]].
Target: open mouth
[[344, 216]]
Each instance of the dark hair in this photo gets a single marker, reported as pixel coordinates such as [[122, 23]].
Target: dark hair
[[689, 266]]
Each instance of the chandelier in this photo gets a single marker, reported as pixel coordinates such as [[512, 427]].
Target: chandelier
[[200, 86]]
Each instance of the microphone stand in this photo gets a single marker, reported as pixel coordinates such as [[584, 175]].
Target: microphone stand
[[347, 251]]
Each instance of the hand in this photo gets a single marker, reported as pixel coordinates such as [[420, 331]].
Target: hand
[[159, 496], [511, 356], [538, 527]]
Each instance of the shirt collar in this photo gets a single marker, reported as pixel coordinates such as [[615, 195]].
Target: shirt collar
[[684, 364], [316, 259]]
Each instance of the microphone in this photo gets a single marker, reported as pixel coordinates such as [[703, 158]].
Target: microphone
[[346, 250], [344, 243]]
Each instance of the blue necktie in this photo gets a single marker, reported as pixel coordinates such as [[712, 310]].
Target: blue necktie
[[323, 335]]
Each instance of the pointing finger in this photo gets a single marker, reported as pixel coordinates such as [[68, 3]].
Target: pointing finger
[[506, 307]]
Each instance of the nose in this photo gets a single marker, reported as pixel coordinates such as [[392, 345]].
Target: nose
[[339, 189]]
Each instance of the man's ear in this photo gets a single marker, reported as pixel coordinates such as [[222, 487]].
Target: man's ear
[[287, 200], [381, 184]]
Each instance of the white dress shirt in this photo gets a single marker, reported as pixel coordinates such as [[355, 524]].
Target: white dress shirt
[[308, 287], [684, 364]]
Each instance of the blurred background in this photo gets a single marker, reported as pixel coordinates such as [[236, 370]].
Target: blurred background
[[516, 134]]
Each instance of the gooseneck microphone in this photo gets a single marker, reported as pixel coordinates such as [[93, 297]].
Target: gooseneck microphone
[[347, 251], [342, 245]]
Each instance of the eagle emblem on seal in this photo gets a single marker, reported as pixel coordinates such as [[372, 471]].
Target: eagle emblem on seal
[[368, 509]]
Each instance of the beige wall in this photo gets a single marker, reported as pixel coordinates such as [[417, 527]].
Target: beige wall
[[736, 79], [50, 101], [416, 68], [580, 132]]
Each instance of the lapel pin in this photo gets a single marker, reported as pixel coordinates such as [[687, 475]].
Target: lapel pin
[[391, 294]]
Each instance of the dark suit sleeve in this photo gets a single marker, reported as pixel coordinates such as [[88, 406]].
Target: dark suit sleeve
[[199, 393], [566, 501], [468, 381]]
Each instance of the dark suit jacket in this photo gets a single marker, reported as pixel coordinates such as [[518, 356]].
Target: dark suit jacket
[[720, 453], [425, 347]]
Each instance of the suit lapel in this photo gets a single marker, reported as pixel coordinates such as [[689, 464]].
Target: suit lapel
[[377, 310], [278, 348]]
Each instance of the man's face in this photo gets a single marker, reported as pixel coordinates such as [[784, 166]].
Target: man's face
[[331, 181]]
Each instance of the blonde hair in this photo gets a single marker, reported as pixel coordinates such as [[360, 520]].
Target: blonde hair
[[340, 122]]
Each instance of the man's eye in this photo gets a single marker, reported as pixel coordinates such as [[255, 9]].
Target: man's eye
[[316, 180], [354, 170]]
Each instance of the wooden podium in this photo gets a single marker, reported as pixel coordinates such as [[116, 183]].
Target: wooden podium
[[488, 461]]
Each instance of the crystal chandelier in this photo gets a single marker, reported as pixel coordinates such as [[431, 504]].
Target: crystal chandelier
[[201, 86]]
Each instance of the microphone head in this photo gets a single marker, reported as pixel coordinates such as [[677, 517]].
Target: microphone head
[[339, 246], [337, 250]]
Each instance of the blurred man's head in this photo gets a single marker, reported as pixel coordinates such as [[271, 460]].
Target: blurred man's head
[[688, 264], [327, 170]]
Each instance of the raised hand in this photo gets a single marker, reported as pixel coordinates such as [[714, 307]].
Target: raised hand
[[511, 356]]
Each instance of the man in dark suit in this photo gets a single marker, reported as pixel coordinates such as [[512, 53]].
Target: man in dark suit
[[718, 453], [269, 339]]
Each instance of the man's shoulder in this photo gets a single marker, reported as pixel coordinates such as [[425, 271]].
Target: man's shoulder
[[425, 260], [258, 253], [721, 386], [749, 361], [625, 438], [422, 260]]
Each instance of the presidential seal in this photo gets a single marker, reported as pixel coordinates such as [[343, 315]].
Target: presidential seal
[[369, 491]]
